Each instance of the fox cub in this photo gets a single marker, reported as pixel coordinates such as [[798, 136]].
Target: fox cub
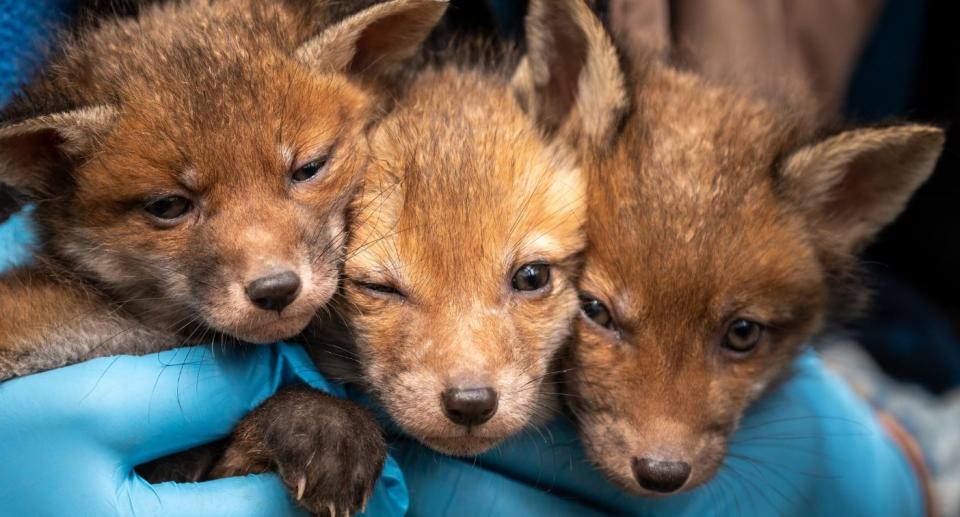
[[191, 169], [722, 231], [464, 252]]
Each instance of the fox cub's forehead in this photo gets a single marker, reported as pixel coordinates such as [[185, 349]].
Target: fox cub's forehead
[[686, 128], [469, 184], [158, 135], [688, 195], [283, 96]]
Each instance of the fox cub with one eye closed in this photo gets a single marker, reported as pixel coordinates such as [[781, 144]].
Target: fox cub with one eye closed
[[191, 168], [722, 232], [464, 254]]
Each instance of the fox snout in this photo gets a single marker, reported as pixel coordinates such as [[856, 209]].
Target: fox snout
[[663, 476], [658, 470], [470, 404], [274, 292], [273, 272], [658, 465]]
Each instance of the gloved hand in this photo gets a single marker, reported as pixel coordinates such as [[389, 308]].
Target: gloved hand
[[70, 437], [810, 448]]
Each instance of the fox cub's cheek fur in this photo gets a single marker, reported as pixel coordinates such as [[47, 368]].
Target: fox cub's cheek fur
[[241, 229], [668, 384], [461, 269]]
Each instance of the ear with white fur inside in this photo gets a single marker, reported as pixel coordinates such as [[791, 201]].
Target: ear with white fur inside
[[36, 152], [853, 184], [373, 40], [570, 80]]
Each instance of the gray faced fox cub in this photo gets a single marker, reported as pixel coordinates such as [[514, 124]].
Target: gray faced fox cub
[[721, 234], [191, 168]]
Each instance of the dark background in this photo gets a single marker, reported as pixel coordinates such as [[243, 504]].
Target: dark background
[[910, 70]]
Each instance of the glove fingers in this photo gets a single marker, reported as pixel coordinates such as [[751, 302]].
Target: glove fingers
[[443, 485], [150, 406], [249, 496]]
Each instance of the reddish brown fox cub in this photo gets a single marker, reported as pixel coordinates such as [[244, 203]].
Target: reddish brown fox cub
[[463, 258], [191, 169], [721, 231]]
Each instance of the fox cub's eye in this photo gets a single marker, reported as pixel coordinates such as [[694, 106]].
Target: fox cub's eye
[[743, 336], [169, 208], [596, 311], [310, 170], [531, 277], [380, 289]]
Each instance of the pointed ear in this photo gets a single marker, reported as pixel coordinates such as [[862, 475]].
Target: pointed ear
[[853, 184], [374, 39], [34, 152], [571, 75]]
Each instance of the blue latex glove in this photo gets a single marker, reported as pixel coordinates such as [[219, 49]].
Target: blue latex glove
[[17, 239], [69, 438], [810, 448]]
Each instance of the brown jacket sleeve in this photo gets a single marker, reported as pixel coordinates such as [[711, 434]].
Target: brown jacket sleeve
[[813, 43]]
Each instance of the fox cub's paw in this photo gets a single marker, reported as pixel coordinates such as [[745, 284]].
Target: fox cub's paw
[[328, 451]]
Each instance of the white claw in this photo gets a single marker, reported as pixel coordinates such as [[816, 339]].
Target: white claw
[[301, 487], [332, 509]]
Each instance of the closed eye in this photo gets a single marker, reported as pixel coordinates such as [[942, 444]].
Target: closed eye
[[378, 289]]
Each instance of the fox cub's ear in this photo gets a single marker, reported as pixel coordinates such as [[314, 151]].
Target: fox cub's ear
[[35, 153], [570, 79], [374, 39], [853, 184]]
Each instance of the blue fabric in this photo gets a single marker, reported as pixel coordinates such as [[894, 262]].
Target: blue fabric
[[909, 336], [883, 82], [70, 437], [17, 240], [24, 27]]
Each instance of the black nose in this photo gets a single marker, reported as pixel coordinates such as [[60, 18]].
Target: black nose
[[469, 407], [274, 292], [660, 476]]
